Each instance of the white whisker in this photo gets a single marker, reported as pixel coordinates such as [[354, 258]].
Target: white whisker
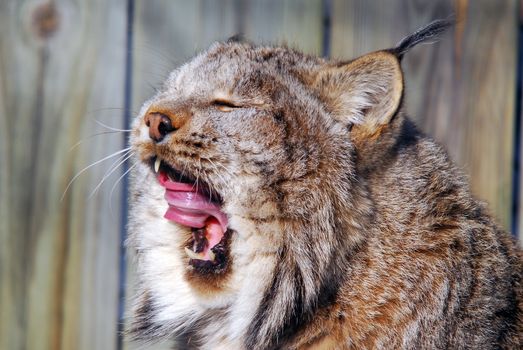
[[91, 136], [216, 170], [110, 127], [116, 163], [97, 110], [116, 183], [109, 174], [90, 166], [184, 169], [226, 170], [198, 173]]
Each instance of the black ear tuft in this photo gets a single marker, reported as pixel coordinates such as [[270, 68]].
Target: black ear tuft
[[431, 31]]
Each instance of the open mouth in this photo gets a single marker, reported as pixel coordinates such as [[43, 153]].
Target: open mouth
[[193, 203]]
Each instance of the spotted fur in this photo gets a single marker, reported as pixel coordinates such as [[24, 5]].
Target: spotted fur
[[349, 228]]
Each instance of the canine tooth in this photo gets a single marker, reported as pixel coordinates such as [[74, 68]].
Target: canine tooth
[[192, 254], [211, 255], [157, 163]]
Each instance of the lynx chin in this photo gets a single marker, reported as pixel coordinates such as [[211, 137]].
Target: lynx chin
[[285, 201]]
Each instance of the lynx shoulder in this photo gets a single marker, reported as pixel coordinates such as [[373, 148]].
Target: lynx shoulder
[[286, 201]]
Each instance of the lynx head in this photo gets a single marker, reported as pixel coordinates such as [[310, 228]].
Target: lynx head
[[246, 201]]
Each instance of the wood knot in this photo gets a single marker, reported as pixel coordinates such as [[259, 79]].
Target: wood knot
[[45, 20]]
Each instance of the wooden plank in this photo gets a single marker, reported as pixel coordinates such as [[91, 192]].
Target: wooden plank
[[296, 23], [460, 90], [59, 273], [167, 33], [519, 221]]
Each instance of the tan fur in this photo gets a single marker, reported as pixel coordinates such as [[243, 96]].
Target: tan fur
[[349, 229]]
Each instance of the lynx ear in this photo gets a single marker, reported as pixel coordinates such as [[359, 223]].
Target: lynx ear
[[366, 91]]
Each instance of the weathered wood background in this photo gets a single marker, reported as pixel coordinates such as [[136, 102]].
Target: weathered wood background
[[63, 66]]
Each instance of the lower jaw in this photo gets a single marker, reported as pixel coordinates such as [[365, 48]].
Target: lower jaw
[[219, 266], [206, 278]]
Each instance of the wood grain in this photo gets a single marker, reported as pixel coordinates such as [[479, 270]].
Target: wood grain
[[296, 23], [59, 61], [168, 33], [459, 90], [519, 219]]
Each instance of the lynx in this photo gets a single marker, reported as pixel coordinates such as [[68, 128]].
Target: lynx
[[285, 201]]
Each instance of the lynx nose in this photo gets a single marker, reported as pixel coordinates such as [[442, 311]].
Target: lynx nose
[[159, 125]]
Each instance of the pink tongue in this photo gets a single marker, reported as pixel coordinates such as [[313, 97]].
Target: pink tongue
[[191, 208]]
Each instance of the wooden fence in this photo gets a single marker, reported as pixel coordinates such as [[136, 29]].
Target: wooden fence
[[64, 65]]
